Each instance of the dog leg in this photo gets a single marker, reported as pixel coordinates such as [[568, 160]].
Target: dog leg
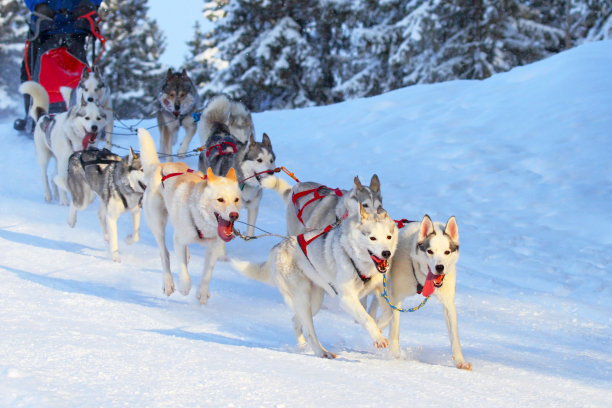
[[350, 303], [394, 348], [214, 250], [252, 210], [60, 179], [112, 214], [190, 129], [157, 218], [302, 307], [299, 334], [102, 219], [109, 128], [135, 237], [72, 216], [450, 315], [182, 253], [42, 157]]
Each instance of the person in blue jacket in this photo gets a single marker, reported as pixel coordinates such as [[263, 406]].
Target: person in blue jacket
[[50, 21]]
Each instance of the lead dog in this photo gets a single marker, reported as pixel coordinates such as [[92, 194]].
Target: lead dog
[[61, 135], [118, 181], [425, 262], [202, 209], [347, 261], [251, 159], [92, 88], [176, 105]]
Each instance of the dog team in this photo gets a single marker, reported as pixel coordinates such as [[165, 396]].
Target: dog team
[[339, 243]]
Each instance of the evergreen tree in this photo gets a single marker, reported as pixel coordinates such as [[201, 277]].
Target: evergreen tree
[[13, 33], [131, 61]]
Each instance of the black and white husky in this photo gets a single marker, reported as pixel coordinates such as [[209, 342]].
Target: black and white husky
[[424, 263], [92, 88], [253, 161], [347, 261], [118, 181]]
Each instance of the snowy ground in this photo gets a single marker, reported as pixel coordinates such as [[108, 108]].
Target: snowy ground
[[522, 159]]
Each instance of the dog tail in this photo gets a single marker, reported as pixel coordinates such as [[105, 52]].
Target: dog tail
[[66, 92], [258, 271], [40, 98], [148, 154], [279, 185], [217, 111]]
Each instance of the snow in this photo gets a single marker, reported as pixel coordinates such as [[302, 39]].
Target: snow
[[522, 160]]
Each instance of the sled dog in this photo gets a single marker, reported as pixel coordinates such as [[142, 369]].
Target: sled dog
[[92, 88], [233, 114], [59, 136], [312, 205], [202, 209], [176, 103], [347, 261], [424, 262], [118, 181], [252, 160]]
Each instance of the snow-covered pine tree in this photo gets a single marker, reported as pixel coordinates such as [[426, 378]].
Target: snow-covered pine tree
[[195, 62], [13, 32], [270, 62], [131, 61]]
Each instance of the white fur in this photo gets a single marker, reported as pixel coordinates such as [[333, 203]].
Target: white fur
[[409, 260], [329, 267], [189, 202], [66, 137]]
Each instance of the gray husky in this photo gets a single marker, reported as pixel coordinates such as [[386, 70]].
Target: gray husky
[[176, 103], [118, 181], [347, 261], [253, 161], [312, 205]]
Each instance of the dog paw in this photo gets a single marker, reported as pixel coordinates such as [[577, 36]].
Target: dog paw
[[464, 365], [48, 197], [327, 354], [115, 256], [168, 286], [184, 288], [394, 351], [203, 296], [131, 239], [381, 342]]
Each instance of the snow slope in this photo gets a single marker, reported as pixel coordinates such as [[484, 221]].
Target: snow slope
[[521, 159]]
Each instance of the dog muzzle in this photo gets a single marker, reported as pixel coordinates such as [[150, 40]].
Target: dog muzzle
[[225, 228], [432, 282], [382, 265], [90, 138]]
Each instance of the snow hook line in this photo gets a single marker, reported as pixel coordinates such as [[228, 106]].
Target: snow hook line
[[385, 296]]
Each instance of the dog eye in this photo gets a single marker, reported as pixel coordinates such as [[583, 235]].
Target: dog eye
[[236, 199], [221, 200], [259, 160], [372, 238], [447, 252], [98, 118], [430, 252], [86, 117], [364, 205], [389, 237]]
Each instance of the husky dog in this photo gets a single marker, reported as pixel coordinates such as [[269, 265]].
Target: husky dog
[[92, 88], [424, 262], [119, 182], [312, 205], [233, 114], [202, 209], [176, 104], [61, 135], [347, 261], [252, 160]]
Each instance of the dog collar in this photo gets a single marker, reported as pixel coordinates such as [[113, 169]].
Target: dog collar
[[419, 287], [363, 278]]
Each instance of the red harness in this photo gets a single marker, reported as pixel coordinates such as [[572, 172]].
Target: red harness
[[167, 176], [402, 223], [317, 196], [304, 244], [220, 148]]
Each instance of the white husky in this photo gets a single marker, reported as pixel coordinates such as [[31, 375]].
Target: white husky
[[347, 261], [202, 209], [92, 88], [61, 135], [424, 262]]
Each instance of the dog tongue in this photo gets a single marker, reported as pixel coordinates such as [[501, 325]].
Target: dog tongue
[[89, 138], [225, 229], [428, 288]]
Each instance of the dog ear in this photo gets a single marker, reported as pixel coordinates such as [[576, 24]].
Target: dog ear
[[357, 183], [169, 73], [265, 140], [131, 156], [184, 73], [231, 174], [83, 101], [364, 214], [210, 176], [251, 140], [375, 184], [451, 229], [85, 73], [426, 229]]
